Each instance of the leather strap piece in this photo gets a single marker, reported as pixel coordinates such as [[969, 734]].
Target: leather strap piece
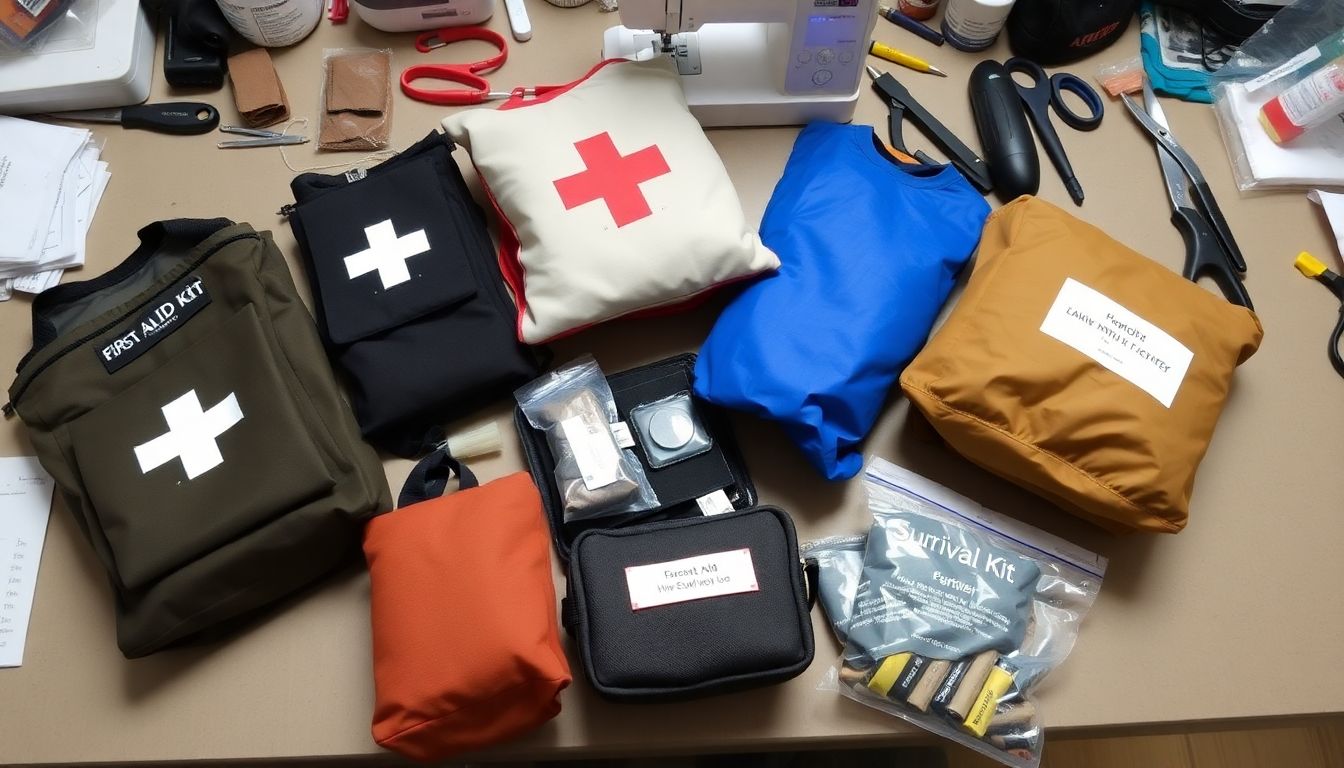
[[257, 90], [429, 478]]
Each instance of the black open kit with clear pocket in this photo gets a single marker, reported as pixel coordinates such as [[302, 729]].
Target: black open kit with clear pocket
[[408, 297], [704, 593], [689, 607], [712, 477]]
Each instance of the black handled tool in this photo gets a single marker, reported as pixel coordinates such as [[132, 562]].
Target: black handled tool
[[1310, 267], [1206, 253], [899, 102], [1162, 134], [1046, 91], [1004, 134], [176, 117]]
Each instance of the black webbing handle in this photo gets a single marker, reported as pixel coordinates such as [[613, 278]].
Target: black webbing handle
[[429, 479]]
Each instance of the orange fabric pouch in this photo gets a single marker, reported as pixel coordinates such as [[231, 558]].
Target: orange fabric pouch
[[466, 645]]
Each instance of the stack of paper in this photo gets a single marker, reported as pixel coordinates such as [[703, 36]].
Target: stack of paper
[[1315, 159], [50, 183]]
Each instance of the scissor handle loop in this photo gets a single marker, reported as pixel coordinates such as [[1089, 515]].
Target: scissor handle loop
[[438, 38], [1065, 81], [478, 88]]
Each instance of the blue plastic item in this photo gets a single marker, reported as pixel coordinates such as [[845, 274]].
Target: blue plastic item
[[869, 251]]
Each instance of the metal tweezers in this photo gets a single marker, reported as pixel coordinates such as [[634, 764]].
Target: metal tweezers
[[263, 138], [899, 102], [1210, 249]]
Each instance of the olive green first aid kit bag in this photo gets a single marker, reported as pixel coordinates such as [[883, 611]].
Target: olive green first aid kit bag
[[186, 409]]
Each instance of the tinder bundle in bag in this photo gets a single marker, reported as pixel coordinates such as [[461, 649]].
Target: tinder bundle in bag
[[1082, 370], [611, 198], [466, 645], [184, 406]]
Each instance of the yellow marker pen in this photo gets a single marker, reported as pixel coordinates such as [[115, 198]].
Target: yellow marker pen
[[883, 51]]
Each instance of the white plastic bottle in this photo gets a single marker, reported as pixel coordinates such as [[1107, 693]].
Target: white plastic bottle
[[272, 23]]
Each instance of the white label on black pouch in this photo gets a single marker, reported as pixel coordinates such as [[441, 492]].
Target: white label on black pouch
[[715, 503], [1119, 340], [594, 451], [691, 578]]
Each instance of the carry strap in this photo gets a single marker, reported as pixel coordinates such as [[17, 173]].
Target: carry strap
[[429, 479]]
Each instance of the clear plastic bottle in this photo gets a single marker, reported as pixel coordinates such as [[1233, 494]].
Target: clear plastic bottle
[[1317, 98]]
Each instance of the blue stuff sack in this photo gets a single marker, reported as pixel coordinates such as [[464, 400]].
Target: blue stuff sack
[[869, 249]]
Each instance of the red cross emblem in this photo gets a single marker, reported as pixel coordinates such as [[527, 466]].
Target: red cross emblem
[[612, 178]]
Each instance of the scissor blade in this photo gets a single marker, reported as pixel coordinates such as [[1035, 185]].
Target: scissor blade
[[90, 115], [1201, 185], [1152, 106]]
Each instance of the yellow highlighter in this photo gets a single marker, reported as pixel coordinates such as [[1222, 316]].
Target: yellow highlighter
[[883, 51]]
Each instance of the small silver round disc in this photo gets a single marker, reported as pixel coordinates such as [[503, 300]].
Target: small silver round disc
[[671, 428]]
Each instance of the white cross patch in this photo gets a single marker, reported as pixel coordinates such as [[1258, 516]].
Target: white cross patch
[[191, 435], [387, 254]]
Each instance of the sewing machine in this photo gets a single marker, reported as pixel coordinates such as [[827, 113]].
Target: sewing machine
[[754, 62]]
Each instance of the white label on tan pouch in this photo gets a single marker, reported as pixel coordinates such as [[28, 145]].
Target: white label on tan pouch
[[594, 451], [691, 578], [1119, 340]]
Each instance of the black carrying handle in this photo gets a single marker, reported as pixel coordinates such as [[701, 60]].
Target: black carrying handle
[[176, 117], [429, 479]]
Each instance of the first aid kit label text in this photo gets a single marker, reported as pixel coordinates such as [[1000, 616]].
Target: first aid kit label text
[[691, 578], [1119, 340], [169, 312]]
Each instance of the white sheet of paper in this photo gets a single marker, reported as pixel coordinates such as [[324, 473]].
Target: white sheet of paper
[[25, 505], [6, 289], [38, 281], [57, 256], [1333, 203], [33, 159], [1316, 158]]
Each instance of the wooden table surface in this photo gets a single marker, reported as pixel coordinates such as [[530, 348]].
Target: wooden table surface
[[1237, 617]]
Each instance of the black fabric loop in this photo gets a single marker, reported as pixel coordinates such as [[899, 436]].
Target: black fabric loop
[[429, 479]]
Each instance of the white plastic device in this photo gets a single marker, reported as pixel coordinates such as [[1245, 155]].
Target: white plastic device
[[518, 21], [414, 15], [112, 69], [755, 62]]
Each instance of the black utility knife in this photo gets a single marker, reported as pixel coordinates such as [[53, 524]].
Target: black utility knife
[[177, 117]]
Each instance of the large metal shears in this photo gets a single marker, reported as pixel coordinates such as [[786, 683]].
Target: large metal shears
[[1210, 249], [477, 89]]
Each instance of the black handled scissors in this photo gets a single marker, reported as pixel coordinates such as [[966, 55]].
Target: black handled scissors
[[178, 117], [1047, 91], [1209, 248], [1311, 267]]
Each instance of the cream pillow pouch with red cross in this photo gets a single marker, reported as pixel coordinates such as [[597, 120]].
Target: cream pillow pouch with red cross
[[611, 198]]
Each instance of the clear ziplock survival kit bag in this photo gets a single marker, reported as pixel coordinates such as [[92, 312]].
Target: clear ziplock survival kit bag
[[959, 614]]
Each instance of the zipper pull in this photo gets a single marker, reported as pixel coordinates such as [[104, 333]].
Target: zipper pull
[[8, 410], [286, 210]]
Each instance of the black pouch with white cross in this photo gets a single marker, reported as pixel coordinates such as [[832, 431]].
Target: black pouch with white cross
[[408, 296], [185, 408]]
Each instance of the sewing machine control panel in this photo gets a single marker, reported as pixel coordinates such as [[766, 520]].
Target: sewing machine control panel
[[828, 46]]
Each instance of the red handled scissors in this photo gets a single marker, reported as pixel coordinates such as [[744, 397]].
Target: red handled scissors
[[478, 88]]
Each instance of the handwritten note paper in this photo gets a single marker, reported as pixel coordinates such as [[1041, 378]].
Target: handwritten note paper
[[25, 505]]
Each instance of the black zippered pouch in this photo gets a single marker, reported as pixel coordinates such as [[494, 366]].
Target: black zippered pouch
[[407, 295], [685, 608], [678, 485]]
